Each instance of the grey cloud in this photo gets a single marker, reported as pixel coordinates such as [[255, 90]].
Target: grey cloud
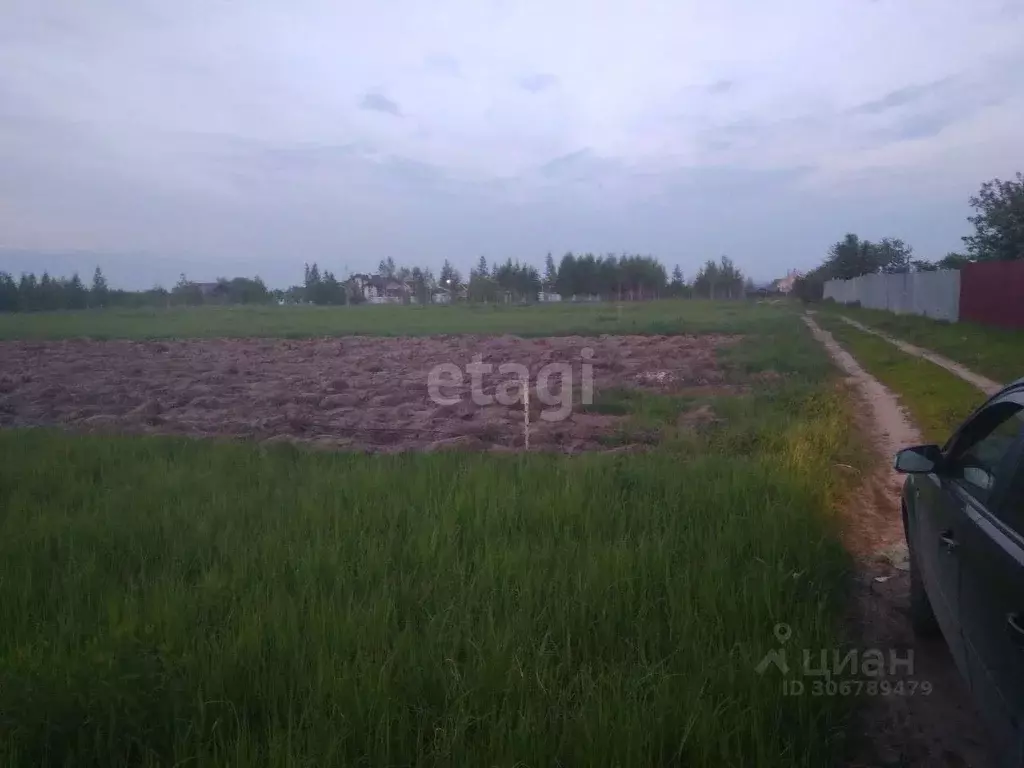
[[923, 111], [920, 126], [176, 151], [538, 82], [901, 97], [376, 102]]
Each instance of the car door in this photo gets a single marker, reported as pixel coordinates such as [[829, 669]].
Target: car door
[[984, 478], [937, 526]]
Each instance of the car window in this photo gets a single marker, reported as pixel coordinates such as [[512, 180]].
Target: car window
[[977, 457]]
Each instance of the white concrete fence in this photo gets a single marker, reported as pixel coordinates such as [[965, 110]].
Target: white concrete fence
[[933, 294]]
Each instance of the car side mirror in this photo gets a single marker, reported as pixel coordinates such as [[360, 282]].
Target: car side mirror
[[921, 459]]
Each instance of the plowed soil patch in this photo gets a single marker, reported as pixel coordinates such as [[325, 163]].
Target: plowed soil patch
[[368, 393]]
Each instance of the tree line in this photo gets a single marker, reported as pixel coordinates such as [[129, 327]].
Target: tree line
[[623, 278], [46, 293], [998, 224]]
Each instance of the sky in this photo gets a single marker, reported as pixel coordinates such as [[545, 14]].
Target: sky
[[222, 138]]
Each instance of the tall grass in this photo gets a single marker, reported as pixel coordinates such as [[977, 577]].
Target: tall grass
[[165, 601], [666, 317], [175, 602]]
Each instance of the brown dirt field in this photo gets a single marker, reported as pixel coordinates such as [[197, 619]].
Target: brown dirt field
[[363, 393]]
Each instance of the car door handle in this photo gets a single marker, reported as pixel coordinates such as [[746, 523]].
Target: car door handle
[[948, 541], [1015, 625]]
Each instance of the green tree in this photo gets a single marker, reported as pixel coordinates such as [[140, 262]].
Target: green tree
[[482, 286], [8, 293], [311, 283], [75, 295], [186, 292], [718, 280], [999, 221], [28, 293], [892, 255], [99, 292], [851, 257], [565, 280], [386, 268], [952, 260], [550, 273], [450, 277]]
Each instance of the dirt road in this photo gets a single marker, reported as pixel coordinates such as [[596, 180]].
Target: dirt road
[[986, 385], [941, 728]]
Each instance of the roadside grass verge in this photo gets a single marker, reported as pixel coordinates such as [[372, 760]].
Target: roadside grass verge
[[167, 601], [938, 401], [642, 317], [992, 352]]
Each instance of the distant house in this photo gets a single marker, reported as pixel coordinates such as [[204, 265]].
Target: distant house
[[376, 289], [440, 296], [395, 291], [362, 285], [785, 284], [549, 296]]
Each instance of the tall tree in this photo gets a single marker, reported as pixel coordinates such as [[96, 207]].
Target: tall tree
[[565, 280], [999, 221], [8, 293], [718, 280], [482, 286], [386, 268], [893, 256], [28, 292], [550, 273], [450, 277], [99, 293], [75, 295]]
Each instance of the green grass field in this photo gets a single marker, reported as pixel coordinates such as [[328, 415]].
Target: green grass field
[[992, 352], [388, 320], [175, 602], [938, 401]]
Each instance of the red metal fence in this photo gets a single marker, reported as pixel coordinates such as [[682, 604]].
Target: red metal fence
[[992, 292]]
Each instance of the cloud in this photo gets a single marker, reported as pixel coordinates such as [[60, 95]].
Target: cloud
[[538, 82], [375, 102], [901, 97], [230, 137], [926, 110]]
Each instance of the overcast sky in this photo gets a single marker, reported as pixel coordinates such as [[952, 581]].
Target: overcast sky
[[225, 138]]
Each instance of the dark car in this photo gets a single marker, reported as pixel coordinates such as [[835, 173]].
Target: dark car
[[963, 514]]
